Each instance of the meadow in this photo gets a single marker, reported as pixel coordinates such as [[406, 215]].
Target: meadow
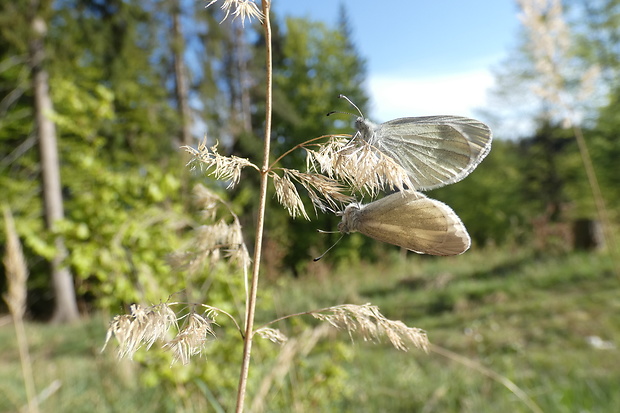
[[511, 330]]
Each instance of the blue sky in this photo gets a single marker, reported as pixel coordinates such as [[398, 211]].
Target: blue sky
[[425, 57]]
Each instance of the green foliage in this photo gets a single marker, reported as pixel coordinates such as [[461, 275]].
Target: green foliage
[[123, 205], [120, 222], [119, 250], [114, 44], [317, 64], [596, 25]]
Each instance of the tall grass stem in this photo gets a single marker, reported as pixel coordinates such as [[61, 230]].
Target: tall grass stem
[[260, 220]]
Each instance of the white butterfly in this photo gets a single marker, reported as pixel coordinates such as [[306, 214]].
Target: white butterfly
[[434, 150], [410, 220]]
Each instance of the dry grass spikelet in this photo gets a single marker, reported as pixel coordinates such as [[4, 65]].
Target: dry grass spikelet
[[226, 168], [215, 241], [368, 321], [16, 269], [245, 9], [288, 195], [359, 164], [322, 159], [272, 334], [191, 339], [144, 326], [208, 202], [324, 192]]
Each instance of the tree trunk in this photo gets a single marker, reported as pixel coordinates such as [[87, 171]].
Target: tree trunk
[[62, 282], [178, 49], [245, 114]]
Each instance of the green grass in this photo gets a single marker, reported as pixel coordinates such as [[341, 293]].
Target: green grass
[[90, 382], [525, 317]]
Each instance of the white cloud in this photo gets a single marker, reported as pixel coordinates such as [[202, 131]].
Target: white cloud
[[451, 94]]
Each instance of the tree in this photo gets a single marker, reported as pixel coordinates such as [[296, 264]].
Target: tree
[[596, 25], [180, 73], [65, 308], [110, 104]]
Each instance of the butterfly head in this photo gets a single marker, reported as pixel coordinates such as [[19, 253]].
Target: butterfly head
[[365, 128], [350, 218]]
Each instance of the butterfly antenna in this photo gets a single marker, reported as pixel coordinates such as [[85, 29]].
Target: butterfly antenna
[[344, 113], [341, 96], [329, 249]]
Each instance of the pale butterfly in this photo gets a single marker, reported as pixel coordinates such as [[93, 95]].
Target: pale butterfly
[[410, 220], [434, 150]]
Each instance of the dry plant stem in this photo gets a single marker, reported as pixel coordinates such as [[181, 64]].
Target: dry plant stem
[[17, 274], [251, 304], [285, 317], [489, 373], [26, 363], [217, 310]]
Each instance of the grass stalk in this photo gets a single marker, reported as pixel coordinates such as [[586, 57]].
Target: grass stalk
[[260, 220], [17, 275]]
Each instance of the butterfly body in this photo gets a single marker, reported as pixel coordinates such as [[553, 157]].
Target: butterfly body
[[410, 220]]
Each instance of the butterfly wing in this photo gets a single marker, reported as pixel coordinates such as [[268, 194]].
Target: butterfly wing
[[412, 221], [434, 150]]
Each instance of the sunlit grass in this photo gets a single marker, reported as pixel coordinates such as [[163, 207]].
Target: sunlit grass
[[69, 354], [526, 317], [529, 319]]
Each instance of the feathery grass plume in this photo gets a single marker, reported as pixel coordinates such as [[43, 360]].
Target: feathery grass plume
[[288, 196], [324, 192], [226, 168], [191, 339], [208, 202], [549, 42], [239, 255], [213, 242], [359, 164], [144, 326], [234, 245], [272, 334], [325, 154], [372, 325], [16, 272], [550, 46], [246, 9], [16, 269]]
